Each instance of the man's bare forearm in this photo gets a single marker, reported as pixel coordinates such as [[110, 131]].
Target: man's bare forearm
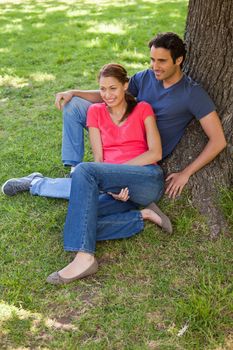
[[212, 127], [62, 98], [89, 95], [211, 150]]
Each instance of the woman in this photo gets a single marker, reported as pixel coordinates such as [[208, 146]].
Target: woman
[[126, 146]]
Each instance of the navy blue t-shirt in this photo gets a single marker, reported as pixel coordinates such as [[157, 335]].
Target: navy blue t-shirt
[[174, 106]]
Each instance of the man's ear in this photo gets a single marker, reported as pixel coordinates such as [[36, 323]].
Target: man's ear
[[179, 60]]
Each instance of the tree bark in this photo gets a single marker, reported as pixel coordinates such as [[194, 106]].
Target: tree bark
[[209, 42]]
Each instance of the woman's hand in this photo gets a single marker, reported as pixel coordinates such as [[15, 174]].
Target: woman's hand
[[122, 196]]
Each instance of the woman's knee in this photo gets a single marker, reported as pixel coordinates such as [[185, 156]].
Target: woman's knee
[[85, 169]]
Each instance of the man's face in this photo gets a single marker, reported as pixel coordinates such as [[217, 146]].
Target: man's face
[[162, 63]]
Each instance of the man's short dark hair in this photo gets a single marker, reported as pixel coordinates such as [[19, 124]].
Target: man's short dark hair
[[171, 42]]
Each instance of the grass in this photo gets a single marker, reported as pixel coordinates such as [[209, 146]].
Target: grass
[[148, 287]]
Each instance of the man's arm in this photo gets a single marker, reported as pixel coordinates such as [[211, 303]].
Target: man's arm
[[63, 97], [213, 129]]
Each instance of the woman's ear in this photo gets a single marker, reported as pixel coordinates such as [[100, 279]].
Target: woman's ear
[[126, 85]]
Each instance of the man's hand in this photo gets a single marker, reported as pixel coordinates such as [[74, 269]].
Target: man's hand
[[62, 98], [122, 196], [176, 183]]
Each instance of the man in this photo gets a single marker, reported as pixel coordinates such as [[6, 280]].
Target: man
[[175, 99]]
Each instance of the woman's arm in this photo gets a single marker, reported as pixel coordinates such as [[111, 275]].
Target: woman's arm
[[96, 144], [154, 153]]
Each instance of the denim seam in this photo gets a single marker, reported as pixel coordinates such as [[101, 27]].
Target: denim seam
[[140, 217], [122, 222], [130, 173], [85, 223], [67, 248], [84, 227]]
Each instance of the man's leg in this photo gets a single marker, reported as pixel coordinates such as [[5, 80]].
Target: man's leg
[[49, 187], [16, 185], [74, 123]]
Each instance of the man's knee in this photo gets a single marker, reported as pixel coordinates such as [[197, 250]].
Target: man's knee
[[72, 105], [76, 110]]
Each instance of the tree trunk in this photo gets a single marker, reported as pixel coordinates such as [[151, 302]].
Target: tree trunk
[[209, 40]]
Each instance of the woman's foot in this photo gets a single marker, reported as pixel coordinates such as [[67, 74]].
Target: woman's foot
[[83, 265], [155, 215], [150, 215]]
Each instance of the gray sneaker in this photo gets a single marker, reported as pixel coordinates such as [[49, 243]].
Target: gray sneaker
[[13, 186]]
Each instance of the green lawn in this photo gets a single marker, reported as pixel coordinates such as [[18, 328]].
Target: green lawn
[[148, 287]]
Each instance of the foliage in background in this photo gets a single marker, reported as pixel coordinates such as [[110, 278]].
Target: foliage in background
[[148, 288]]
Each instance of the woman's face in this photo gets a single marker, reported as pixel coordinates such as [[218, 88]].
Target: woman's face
[[112, 91]]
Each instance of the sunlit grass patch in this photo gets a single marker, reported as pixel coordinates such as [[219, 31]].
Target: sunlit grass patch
[[13, 81], [42, 77]]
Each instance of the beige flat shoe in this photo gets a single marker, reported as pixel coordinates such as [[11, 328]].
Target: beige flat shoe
[[166, 223], [55, 278]]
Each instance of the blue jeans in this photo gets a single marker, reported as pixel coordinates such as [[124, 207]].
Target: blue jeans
[[49, 187], [74, 123], [85, 216], [119, 225]]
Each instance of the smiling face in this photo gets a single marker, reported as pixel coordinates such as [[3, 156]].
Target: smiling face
[[163, 66], [112, 91]]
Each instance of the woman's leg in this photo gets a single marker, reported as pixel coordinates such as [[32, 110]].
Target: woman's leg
[[117, 219], [145, 185], [108, 227], [80, 233], [113, 226], [74, 123]]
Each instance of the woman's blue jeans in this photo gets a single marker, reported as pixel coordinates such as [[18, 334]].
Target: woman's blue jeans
[[88, 212]]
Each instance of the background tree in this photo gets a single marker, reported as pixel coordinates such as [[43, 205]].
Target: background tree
[[209, 40]]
